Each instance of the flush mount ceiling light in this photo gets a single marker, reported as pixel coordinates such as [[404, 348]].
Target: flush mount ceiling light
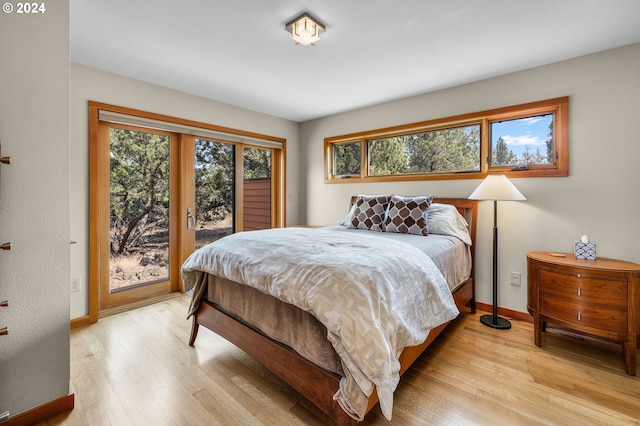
[[305, 29]]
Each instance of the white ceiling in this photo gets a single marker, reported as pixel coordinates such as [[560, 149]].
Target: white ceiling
[[237, 51]]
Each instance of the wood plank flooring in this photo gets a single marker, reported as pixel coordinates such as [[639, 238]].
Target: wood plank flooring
[[135, 368]]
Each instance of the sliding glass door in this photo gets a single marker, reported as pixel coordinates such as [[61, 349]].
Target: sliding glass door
[[159, 189], [230, 197], [214, 187], [141, 215], [257, 188]]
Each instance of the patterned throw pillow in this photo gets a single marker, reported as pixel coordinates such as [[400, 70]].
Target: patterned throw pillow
[[408, 215], [370, 212]]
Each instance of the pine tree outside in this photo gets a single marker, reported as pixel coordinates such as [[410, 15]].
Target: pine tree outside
[[446, 150]]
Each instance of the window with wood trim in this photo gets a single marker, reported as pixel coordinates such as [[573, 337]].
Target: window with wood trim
[[528, 140]]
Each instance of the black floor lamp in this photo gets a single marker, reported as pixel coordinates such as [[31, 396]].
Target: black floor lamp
[[496, 188]]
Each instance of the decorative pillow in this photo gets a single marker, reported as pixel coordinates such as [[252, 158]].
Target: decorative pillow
[[408, 215], [370, 212], [444, 219]]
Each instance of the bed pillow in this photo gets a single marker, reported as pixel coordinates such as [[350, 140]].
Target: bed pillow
[[347, 218], [370, 212], [408, 215], [444, 219]]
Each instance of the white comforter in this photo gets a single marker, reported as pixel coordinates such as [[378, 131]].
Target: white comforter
[[375, 296]]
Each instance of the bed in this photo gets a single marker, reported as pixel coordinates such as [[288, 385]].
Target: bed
[[308, 356]]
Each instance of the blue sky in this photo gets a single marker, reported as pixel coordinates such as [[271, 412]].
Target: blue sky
[[518, 134]]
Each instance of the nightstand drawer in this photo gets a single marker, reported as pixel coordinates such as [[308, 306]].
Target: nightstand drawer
[[584, 287], [603, 317]]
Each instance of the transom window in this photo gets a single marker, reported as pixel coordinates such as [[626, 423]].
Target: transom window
[[346, 159], [519, 141], [522, 142], [456, 149]]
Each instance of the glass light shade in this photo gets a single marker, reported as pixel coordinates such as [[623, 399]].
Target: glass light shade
[[305, 30], [497, 187]]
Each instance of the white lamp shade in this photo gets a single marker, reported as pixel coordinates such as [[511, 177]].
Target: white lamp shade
[[497, 187]]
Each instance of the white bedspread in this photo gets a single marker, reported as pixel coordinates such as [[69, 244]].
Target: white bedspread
[[375, 296]]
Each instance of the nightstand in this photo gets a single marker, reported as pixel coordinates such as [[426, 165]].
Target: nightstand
[[599, 297]]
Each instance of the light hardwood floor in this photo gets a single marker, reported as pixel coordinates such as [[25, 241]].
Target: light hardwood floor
[[136, 368]]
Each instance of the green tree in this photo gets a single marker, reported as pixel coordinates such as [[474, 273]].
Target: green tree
[[388, 156], [214, 176], [503, 156], [549, 143], [456, 149], [347, 159], [257, 163], [139, 170]]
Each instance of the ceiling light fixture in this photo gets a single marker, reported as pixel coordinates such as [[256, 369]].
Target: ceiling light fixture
[[305, 29]]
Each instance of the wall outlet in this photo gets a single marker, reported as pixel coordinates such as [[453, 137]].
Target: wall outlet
[[76, 284], [515, 278]]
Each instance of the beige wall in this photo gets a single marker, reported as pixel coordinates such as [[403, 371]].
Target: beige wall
[[34, 207], [599, 198], [90, 84]]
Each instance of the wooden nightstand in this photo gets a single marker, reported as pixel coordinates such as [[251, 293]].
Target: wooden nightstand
[[599, 297]]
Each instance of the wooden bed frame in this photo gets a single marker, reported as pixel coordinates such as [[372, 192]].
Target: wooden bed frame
[[313, 382]]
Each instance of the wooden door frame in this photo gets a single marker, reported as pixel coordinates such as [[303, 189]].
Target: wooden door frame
[[99, 223], [99, 170]]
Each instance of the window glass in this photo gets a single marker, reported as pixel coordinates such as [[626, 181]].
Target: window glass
[[527, 140], [522, 142], [214, 185], [257, 189], [445, 150], [139, 208], [346, 159]]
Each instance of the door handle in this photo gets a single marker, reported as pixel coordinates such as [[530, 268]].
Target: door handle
[[190, 221]]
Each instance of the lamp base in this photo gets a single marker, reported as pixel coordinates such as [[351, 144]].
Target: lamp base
[[501, 323]]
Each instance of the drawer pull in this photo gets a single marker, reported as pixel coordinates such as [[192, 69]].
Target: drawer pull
[[579, 316], [579, 276], [579, 291]]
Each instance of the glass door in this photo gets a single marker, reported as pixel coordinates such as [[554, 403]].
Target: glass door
[[141, 215], [232, 190], [257, 206], [214, 187], [156, 195]]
